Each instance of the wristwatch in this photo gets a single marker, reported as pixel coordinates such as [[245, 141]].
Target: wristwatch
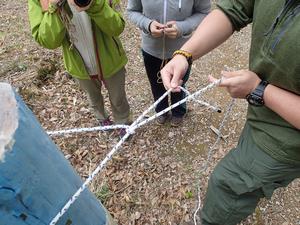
[[255, 98]]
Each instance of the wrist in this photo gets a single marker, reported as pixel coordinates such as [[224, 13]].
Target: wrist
[[256, 84], [149, 26], [256, 97], [188, 56]]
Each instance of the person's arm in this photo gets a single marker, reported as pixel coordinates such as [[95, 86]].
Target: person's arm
[[214, 30], [106, 18], [286, 104], [136, 16], [201, 9], [46, 27]]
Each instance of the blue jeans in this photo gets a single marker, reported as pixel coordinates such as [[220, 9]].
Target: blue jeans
[[153, 66]]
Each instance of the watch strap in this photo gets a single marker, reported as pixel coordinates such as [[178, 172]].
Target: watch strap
[[260, 89], [255, 98]]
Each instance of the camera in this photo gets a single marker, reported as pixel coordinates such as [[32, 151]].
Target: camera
[[82, 3]]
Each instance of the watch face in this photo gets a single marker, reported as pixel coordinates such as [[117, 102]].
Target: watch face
[[255, 100]]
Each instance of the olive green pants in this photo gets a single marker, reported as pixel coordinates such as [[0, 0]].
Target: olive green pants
[[117, 97], [240, 179]]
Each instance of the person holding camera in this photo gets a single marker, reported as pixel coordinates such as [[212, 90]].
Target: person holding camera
[[268, 152], [165, 25], [88, 32]]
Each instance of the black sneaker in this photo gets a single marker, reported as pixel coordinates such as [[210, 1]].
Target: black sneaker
[[162, 119], [176, 121]]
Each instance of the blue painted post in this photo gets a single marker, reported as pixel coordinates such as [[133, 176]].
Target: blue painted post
[[36, 180]]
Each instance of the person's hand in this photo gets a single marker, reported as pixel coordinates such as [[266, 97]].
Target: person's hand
[[171, 30], [79, 9], [54, 1], [238, 83], [173, 72], [156, 29], [45, 4]]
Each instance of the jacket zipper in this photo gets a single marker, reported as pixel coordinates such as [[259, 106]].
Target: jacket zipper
[[75, 49], [278, 17], [295, 12], [269, 33]]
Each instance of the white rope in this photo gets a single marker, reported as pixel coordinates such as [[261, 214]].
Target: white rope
[[214, 108], [81, 130], [208, 159], [129, 130], [138, 122]]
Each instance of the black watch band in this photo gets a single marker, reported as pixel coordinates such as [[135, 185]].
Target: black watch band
[[255, 98]]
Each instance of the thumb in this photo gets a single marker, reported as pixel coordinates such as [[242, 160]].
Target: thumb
[[212, 79], [176, 80], [158, 25], [224, 82], [170, 23]]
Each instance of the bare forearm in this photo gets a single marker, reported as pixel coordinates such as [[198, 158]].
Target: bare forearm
[[284, 103], [213, 31]]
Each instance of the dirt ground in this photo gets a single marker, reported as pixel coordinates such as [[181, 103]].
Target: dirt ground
[[153, 179]]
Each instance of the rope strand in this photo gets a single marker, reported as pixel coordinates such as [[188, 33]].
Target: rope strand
[[129, 130]]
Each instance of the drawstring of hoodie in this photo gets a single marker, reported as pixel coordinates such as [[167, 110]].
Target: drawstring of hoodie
[[159, 80], [164, 61], [179, 5]]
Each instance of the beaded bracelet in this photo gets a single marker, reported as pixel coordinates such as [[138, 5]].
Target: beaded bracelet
[[186, 54]]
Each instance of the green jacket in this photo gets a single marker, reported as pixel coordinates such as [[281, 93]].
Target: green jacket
[[49, 31], [274, 56]]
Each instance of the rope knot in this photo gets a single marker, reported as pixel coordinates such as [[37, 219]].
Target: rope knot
[[130, 130]]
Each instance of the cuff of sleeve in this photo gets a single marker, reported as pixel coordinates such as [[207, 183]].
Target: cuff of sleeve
[[238, 17], [181, 30], [234, 25], [184, 28], [146, 25]]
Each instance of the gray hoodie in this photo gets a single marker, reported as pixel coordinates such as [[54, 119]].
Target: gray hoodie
[[187, 14]]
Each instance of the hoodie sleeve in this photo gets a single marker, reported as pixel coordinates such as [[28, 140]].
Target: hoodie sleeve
[[136, 16], [47, 28], [200, 10], [106, 18]]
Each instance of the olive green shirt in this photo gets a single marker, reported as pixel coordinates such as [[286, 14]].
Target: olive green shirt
[[275, 57]]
